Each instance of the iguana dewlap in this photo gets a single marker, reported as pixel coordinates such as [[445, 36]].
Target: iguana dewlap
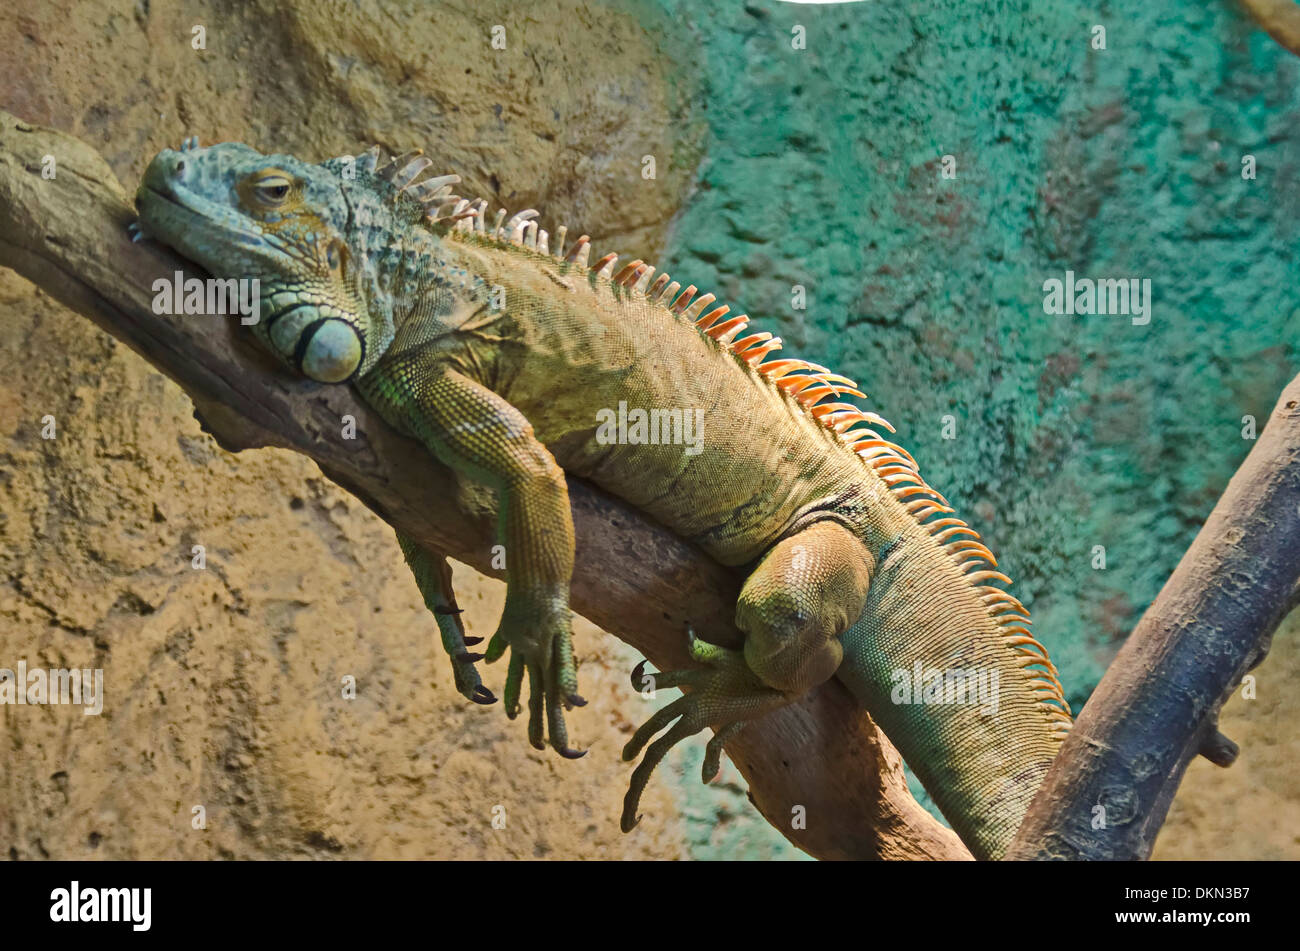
[[513, 365]]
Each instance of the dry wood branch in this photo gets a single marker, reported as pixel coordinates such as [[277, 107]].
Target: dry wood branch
[[1279, 18], [633, 578], [1158, 704]]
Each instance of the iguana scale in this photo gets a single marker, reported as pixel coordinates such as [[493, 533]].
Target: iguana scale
[[507, 362]]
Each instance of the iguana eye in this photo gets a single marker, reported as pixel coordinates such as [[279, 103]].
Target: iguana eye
[[269, 189]]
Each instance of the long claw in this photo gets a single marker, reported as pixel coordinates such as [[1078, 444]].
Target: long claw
[[663, 679], [577, 700], [471, 641], [638, 676], [572, 754], [468, 658], [483, 695]]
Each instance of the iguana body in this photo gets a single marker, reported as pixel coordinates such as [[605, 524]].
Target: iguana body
[[509, 364]]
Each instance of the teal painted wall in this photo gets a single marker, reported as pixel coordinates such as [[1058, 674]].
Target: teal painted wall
[[823, 168]]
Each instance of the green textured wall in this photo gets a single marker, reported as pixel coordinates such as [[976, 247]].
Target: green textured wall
[[823, 169]]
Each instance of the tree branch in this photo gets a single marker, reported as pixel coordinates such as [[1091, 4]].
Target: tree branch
[[1280, 19], [632, 577], [1158, 704]]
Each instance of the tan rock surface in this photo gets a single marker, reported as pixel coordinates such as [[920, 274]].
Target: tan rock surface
[[224, 685]]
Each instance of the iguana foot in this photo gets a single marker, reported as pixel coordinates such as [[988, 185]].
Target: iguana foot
[[544, 649], [468, 683], [433, 577], [725, 695]]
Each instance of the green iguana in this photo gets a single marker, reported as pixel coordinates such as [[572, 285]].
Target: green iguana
[[514, 365]]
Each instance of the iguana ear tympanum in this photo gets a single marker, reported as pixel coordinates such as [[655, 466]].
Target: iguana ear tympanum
[[513, 365]]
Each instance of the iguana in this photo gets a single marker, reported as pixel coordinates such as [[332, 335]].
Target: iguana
[[514, 364]]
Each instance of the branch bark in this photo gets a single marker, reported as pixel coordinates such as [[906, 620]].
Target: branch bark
[[1280, 19], [633, 578], [1158, 704]]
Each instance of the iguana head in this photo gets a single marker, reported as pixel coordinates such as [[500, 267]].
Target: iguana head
[[295, 227]]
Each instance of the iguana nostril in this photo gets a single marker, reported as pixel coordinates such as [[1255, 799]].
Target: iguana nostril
[[180, 167]]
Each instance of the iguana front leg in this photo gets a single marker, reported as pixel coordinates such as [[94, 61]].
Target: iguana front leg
[[433, 576], [805, 593], [480, 435]]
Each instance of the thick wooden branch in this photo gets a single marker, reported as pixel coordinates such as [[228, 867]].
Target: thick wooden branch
[[633, 578], [1279, 18], [1158, 704]]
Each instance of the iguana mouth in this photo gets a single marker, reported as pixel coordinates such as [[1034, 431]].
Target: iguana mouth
[[167, 201], [162, 194], [155, 192], [170, 200]]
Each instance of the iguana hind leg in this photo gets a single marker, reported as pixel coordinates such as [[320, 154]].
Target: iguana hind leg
[[479, 434], [807, 590], [433, 576]]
